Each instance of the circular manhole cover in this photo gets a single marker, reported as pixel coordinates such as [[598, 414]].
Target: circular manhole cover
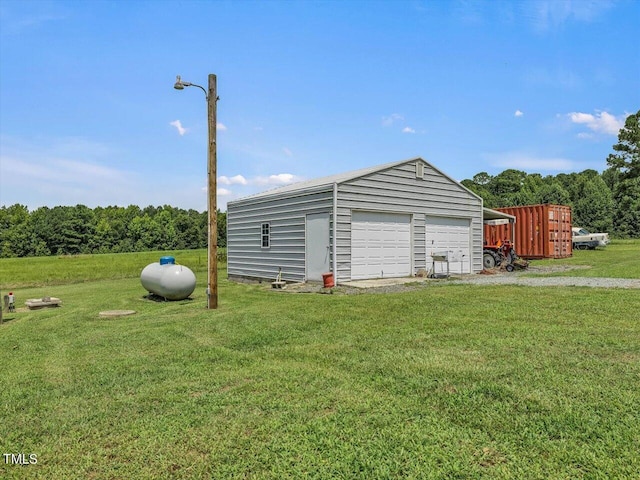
[[116, 313]]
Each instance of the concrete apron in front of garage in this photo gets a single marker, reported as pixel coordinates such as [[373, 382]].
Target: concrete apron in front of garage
[[361, 285], [384, 282]]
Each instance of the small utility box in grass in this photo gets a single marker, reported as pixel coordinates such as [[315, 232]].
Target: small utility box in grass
[[44, 302]]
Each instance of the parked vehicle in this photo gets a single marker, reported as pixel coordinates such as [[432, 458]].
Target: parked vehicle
[[502, 254], [583, 240]]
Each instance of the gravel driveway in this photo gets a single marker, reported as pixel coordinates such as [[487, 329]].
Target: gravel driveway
[[497, 277], [597, 282], [520, 278]]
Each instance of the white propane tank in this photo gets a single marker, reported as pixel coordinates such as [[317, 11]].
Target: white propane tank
[[168, 280]]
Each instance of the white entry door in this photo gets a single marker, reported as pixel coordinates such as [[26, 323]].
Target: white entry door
[[451, 235], [380, 245], [317, 246]]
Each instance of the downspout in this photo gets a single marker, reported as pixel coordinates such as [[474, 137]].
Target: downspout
[[335, 229]]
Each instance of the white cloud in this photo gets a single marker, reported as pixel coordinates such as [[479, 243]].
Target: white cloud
[[235, 180], [179, 127], [221, 126], [391, 119], [244, 186], [601, 122], [287, 152], [548, 14], [279, 179], [408, 130], [518, 113], [525, 161]]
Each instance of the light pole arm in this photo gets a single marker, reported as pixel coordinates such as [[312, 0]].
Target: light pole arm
[[201, 88]]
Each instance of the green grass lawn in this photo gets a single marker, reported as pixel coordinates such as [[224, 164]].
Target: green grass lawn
[[64, 269], [620, 259], [447, 381]]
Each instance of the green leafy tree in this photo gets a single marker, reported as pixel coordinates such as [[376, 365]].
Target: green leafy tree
[[627, 158], [552, 192], [480, 185], [222, 229], [593, 207], [626, 163], [15, 231], [508, 182], [168, 235], [627, 208], [611, 177]]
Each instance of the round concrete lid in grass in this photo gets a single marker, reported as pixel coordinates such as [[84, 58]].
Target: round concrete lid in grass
[[116, 313]]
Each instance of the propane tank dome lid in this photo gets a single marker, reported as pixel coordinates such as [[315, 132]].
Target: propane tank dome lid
[[168, 260]]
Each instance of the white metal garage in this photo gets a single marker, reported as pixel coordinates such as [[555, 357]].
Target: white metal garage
[[451, 235], [380, 245], [376, 222]]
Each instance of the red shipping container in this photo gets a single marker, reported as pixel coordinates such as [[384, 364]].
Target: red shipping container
[[541, 231]]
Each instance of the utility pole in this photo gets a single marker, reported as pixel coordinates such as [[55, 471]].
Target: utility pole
[[212, 288], [212, 192]]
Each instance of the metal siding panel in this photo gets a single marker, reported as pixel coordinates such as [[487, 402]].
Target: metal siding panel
[[287, 216], [476, 232], [419, 257]]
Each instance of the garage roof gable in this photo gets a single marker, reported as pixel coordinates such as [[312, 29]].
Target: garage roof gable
[[341, 178]]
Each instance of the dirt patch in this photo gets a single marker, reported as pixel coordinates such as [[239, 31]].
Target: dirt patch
[[555, 268]]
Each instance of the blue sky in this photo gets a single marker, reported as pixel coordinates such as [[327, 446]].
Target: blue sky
[[88, 113]]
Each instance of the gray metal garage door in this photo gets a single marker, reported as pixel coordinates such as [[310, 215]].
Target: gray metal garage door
[[451, 235], [380, 245]]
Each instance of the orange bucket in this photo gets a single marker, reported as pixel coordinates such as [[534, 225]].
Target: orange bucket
[[327, 278]]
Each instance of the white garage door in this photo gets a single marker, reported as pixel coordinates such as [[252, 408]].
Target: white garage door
[[451, 235], [380, 245]]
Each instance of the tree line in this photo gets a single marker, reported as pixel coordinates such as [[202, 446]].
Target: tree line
[[607, 202], [603, 202], [67, 230]]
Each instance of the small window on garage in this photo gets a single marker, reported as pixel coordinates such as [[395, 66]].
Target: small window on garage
[[420, 170], [265, 235]]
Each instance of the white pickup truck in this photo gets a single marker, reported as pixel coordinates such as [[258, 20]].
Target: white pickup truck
[[583, 240]]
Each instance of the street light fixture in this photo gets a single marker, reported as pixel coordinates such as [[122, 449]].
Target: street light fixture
[[212, 264]]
